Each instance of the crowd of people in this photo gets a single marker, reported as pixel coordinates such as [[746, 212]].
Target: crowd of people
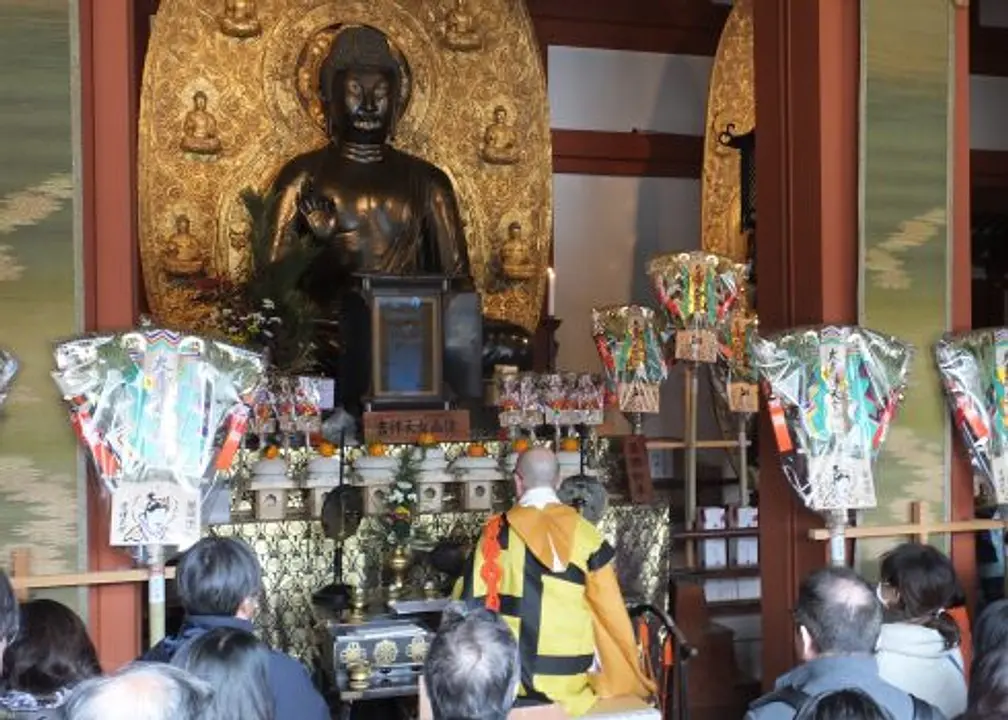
[[538, 619]]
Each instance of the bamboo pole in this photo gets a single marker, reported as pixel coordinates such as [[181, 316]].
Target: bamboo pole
[[692, 399]]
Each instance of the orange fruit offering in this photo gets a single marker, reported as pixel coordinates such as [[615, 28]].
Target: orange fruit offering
[[570, 444], [272, 452], [426, 439], [521, 445], [326, 449], [476, 451], [376, 449]]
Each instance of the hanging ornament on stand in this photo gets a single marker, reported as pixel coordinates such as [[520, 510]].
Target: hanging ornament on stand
[[699, 294], [832, 393], [161, 415], [974, 370], [736, 389], [629, 340]]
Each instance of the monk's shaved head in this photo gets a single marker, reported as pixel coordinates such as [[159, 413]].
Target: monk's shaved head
[[537, 468]]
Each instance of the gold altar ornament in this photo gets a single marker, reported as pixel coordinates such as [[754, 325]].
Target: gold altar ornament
[[417, 649], [385, 653], [352, 653], [359, 675], [731, 101], [232, 95]]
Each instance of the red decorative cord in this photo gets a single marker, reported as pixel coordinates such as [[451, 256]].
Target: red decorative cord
[[491, 572]]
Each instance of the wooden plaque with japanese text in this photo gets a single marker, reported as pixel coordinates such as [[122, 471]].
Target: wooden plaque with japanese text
[[406, 426]]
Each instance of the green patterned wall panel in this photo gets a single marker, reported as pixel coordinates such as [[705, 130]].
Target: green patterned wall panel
[[906, 251]]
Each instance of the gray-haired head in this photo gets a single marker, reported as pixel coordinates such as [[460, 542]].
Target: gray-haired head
[[141, 691], [837, 613], [473, 668], [219, 576], [537, 468]]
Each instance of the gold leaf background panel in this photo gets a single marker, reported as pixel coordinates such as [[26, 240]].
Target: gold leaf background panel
[[259, 83]]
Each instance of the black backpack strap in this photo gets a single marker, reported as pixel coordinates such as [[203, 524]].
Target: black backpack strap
[[921, 709], [789, 695]]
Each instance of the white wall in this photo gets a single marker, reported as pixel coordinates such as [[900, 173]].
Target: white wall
[[607, 228], [988, 94], [624, 91]]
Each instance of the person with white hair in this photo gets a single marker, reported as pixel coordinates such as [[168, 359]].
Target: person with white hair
[[549, 574], [472, 668], [141, 691]]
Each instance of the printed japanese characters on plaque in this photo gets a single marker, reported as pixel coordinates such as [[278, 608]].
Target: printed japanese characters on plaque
[[405, 426]]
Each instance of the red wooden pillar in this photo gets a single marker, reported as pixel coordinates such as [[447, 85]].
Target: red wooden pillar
[[806, 56], [108, 84], [962, 547]]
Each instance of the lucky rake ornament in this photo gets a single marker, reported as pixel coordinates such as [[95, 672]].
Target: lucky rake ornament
[[629, 342], [161, 414], [974, 369], [832, 393]]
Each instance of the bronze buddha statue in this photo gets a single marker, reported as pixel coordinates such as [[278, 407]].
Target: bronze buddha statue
[[369, 207]]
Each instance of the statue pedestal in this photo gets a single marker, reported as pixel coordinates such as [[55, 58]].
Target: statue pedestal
[[410, 343]]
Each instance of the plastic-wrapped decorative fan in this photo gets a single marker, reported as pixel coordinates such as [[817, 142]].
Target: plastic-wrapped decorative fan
[[832, 393], [698, 293], [160, 414], [974, 369], [629, 342]]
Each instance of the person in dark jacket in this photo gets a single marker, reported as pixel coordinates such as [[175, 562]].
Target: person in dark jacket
[[219, 583], [837, 622]]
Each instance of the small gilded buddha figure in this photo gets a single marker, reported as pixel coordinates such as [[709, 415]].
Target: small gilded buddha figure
[[239, 19], [500, 142], [199, 131], [367, 206], [516, 260], [460, 29], [184, 258]]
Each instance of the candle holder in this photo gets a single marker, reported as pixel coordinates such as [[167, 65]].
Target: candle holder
[[546, 345]]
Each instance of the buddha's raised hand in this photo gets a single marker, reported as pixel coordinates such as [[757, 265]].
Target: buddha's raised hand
[[318, 211]]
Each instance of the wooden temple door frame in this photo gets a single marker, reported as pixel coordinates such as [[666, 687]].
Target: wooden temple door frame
[[107, 122], [807, 57]]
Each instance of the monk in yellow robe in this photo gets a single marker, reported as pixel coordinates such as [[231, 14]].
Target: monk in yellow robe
[[550, 575]]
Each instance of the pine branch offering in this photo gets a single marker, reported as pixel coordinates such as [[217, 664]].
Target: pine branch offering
[[269, 309]]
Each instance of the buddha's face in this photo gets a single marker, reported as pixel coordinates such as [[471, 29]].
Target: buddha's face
[[182, 225], [199, 100], [363, 105], [500, 115]]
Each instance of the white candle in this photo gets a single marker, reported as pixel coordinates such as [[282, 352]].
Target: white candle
[[550, 292]]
